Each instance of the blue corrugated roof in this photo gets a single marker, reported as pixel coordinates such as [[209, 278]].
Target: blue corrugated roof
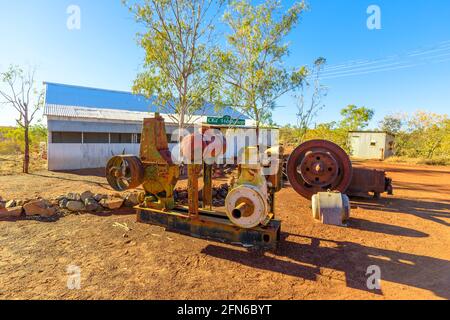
[[70, 95]]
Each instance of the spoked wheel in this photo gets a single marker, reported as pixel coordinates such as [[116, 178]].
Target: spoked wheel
[[318, 166], [124, 172]]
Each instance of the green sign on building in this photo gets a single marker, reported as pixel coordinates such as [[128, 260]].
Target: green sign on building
[[226, 120]]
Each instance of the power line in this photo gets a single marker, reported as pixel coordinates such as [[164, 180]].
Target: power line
[[402, 61]]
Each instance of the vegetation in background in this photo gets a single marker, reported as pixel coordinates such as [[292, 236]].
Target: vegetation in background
[[307, 111], [356, 118], [21, 94], [420, 138], [251, 69], [12, 139], [178, 43], [421, 135], [353, 118]]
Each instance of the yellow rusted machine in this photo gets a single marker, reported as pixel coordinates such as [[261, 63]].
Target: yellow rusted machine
[[155, 169], [249, 219]]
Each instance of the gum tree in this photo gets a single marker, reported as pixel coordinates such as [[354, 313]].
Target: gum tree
[[20, 93], [177, 41], [252, 70], [356, 118]]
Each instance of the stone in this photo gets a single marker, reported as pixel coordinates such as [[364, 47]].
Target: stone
[[86, 195], [74, 196], [21, 203], [112, 203], [132, 200], [92, 205], [75, 206], [10, 204], [14, 212], [99, 197], [63, 203], [62, 197], [39, 208]]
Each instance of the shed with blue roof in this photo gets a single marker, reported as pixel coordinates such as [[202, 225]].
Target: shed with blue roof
[[87, 125]]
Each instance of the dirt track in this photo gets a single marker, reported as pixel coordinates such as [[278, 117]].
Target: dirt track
[[407, 236]]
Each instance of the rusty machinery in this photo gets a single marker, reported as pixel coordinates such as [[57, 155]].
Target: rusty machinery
[[320, 166], [249, 219]]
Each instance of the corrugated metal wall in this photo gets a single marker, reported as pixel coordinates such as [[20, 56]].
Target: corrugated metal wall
[[370, 145], [75, 156], [84, 156]]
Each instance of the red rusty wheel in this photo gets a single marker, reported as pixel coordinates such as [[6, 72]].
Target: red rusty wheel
[[124, 172], [318, 166]]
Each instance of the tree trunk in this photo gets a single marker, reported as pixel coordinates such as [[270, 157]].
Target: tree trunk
[[26, 160]]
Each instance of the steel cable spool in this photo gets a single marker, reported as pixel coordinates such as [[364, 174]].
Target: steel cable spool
[[318, 166], [124, 172]]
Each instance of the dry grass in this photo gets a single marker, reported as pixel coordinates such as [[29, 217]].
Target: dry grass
[[12, 164], [438, 161]]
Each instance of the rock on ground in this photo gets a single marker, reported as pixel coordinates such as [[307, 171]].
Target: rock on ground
[[92, 205], [11, 204], [112, 203], [132, 199], [86, 195], [39, 208], [15, 212], [75, 206]]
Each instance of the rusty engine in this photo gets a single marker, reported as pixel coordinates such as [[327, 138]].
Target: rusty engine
[[319, 165]]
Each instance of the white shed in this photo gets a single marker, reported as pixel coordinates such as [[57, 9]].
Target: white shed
[[87, 126], [376, 145]]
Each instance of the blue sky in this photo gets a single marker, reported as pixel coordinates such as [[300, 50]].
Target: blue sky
[[403, 67]]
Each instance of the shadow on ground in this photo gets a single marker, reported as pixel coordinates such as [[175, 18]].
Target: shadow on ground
[[306, 261], [432, 211]]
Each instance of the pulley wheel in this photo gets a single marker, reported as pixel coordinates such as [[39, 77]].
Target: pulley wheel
[[318, 166], [124, 172]]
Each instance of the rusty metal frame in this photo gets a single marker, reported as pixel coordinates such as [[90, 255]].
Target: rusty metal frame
[[212, 225]]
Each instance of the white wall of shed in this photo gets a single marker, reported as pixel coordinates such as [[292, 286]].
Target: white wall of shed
[[70, 156], [361, 147]]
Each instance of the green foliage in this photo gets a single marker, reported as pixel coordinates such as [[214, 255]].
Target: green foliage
[[425, 135], [391, 124], [420, 138], [12, 139], [178, 49], [356, 118], [251, 71]]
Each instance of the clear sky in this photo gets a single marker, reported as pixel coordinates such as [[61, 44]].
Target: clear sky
[[402, 67]]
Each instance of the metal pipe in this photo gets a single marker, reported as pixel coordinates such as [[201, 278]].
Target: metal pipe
[[239, 211]]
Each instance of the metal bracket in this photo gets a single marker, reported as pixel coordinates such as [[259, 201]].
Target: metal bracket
[[212, 225]]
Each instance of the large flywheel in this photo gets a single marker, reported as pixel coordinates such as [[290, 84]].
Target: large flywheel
[[318, 166], [124, 172]]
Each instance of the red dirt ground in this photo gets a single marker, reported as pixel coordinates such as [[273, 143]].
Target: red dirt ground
[[407, 236]]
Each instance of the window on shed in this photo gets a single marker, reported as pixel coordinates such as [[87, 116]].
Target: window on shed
[[373, 143], [121, 138], [95, 137], [67, 137]]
